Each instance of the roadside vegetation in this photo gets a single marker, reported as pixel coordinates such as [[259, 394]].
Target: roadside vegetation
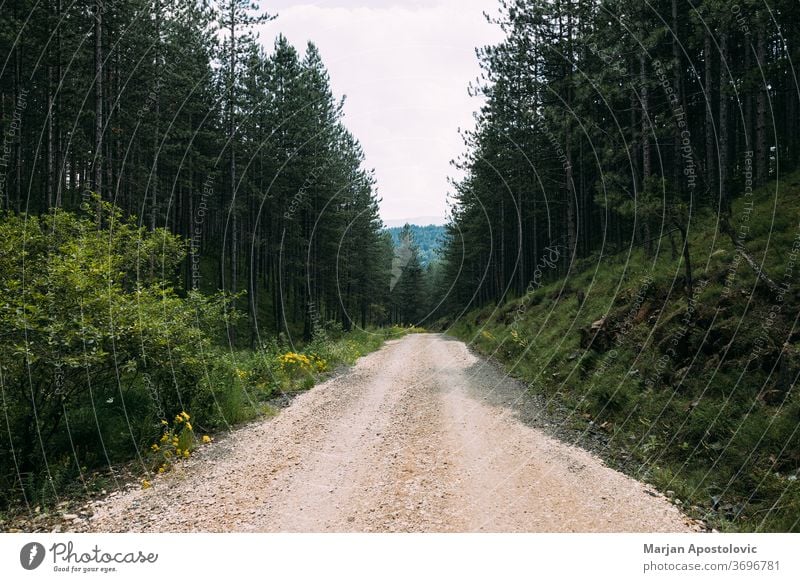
[[697, 393], [104, 359]]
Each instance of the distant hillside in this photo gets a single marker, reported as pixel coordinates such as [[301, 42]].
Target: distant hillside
[[399, 222], [427, 238]]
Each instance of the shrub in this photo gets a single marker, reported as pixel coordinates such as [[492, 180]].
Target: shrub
[[96, 345]]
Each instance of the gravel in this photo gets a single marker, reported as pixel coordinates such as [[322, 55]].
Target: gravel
[[420, 436]]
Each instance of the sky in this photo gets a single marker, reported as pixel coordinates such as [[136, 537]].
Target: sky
[[404, 67]]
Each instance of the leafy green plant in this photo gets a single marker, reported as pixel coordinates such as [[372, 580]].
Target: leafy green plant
[[96, 345]]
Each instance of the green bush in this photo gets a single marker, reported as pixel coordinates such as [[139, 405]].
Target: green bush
[[96, 345]]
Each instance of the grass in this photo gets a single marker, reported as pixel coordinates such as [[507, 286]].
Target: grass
[[698, 390], [236, 387], [240, 384]]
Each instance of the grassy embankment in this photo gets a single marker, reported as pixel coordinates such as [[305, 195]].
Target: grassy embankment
[[696, 392]]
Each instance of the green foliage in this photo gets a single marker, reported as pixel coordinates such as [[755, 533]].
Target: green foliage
[[99, 353], [609, 126], [237, 146], [698, 394], [97, 346], [408, 296], [428, 239]]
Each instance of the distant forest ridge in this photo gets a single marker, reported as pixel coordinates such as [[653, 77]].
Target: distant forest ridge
[[429, 239]]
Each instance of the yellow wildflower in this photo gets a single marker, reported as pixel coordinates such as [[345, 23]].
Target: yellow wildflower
[[189, 425], [185, 415], [186, 454], [206, 439], [146, 484], [155, 448], [161, 470]]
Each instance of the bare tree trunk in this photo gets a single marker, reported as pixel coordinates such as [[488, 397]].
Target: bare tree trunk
[[571, 230], [724, 141], [73, 174], [571, 211], [18, 139], [647, 164], [747, 130], [762, 155], [252, 296], [678, 88], [502, 267], [157, 115], [5, 200], [98, 96], [687, 258], [60, 157], [709, 92], [636, 125], [232, 167], [50, 171]]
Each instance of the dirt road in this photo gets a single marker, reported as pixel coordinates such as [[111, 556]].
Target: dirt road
[[404, 442]]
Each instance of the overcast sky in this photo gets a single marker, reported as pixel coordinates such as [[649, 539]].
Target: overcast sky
[[404, 66]]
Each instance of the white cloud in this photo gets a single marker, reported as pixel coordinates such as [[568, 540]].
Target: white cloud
[[405, 68]]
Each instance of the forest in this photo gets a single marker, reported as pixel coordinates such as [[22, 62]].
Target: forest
[[189, 234], [174, 112], [187, 225], [611, 125], [624, 238], [428, 240]]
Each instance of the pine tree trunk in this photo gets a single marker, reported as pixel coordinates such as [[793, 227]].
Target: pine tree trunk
[[50, 171], [687, 258], [647, 165], [571, 231], [762, 155], [60, 158], [73, 174], [157, 119], [232, 167], [5, 198], [18, 140], [635, 145], [709, 125], [571, 210], [677, 64], [502, 266], [98, 96], [108, 109], [724, 140]]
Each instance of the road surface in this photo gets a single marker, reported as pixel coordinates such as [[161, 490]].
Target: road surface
[[403, 442]]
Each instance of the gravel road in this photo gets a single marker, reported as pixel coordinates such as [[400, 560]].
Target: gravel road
[[403, 442]]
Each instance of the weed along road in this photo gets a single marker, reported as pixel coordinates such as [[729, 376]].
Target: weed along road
[[409, 440]]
